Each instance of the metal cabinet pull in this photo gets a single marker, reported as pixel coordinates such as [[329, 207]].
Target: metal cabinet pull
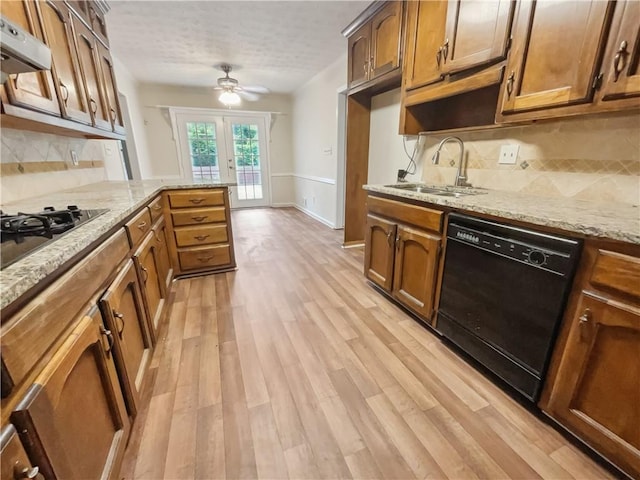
[[205, 259], [584, 321], [620, 60], [65, 92], [25, 472], [365, 66], [113, 115], [199, 219], [146, 273], [390, 237], [510, 80], [201, 237], [94, 106], [142, 226], [445, 49], [196, 201], [107, 333], [439, 57], [157, 207], [119, 316]]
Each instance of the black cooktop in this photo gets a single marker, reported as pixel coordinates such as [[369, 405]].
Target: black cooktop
[[24, 233]]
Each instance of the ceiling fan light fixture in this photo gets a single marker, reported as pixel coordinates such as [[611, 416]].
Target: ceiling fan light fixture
[[229, 98]]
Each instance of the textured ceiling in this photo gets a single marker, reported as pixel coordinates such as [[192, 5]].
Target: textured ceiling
[[276, 44]]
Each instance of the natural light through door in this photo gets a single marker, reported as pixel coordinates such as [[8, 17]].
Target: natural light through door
[[246, 153]]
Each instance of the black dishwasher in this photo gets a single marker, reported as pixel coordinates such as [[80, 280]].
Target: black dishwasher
[[503, 293]]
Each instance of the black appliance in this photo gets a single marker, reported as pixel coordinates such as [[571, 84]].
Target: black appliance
[[23, 233], [503, 294]]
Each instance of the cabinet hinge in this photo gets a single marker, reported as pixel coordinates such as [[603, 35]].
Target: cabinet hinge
[[597, 82]]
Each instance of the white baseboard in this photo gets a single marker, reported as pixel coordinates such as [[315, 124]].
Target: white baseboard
[[315, 216], [282, 205]]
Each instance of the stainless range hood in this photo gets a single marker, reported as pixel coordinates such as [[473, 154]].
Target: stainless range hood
[[20, 52]]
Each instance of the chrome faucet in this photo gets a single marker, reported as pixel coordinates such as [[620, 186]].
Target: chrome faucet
[[461, 180]]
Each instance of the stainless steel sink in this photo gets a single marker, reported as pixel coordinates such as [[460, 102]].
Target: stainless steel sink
[[438, 191]]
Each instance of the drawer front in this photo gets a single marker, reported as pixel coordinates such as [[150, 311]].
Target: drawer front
[[205, 235], [197, 216], [405, 212], [204, 257], [201, 198], [138, 227], [155, 209], [618, 272]]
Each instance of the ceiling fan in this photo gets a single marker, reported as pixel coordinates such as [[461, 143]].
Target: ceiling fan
[[232, 92]]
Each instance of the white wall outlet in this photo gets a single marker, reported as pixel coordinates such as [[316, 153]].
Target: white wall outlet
[[509, 154], [327, 150], [304, 201], [74, 158]]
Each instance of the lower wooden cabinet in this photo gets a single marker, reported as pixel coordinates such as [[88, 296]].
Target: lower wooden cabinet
[[124, 314], [14, 463], [72, 421], [402, 252], [595, 391], [149, 268], [166, 269]]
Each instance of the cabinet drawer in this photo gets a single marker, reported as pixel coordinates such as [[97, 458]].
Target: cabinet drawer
[[190, 236], [196, 216], [618, 272], [204, 257], [405, 212], [196, 199], [138, 227], [155, 209]]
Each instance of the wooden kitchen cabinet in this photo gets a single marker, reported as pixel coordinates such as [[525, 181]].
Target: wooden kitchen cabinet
[[14, 463], [124, 314], [108, 80], [476, 33], [594, 386], [34, 90], [374, 48], [555, 58], [72, 421], [402, 252], [165, 270], [58, 31], [149, 267]]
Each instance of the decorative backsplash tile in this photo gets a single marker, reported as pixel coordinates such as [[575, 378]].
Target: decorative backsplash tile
[[586, 158], [33, 164]]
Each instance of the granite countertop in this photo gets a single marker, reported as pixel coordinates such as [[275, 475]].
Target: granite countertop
[[121, 198], [604, 220]]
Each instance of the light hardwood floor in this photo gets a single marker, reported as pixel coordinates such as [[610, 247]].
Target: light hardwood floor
[[294, 367]]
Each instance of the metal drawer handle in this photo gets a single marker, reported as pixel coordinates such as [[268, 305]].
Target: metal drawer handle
[[109, 335], [25, 472], [196, 201], [157, 207], [620, 60], [199, 219], [205, 259], [201, 237], [142, 226], [119, 316]]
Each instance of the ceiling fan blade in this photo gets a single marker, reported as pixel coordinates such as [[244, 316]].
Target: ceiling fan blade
[[252, 97], [255, 89]]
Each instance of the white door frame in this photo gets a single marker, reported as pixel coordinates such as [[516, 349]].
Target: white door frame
[[267, 116]]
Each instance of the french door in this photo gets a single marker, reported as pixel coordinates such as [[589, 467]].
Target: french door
[[227, 149]]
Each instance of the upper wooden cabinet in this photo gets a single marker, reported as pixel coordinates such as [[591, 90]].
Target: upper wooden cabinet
[[621, 65], [557, 48], [594, 387], [476, 33], [32, 90], [108, 79], [375, 45]]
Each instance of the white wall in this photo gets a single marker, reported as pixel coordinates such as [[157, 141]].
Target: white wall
[[315, 140], [162, 148]]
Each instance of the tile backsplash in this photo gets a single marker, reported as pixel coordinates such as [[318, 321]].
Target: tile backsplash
[[38, 163], [585, 158]]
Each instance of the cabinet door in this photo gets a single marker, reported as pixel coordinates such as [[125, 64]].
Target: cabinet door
[[621, 66], [596, 393], [556, 53], [379, 251], [385, 39], [90, 66], [477, 33], [414, 276], [124, 314], [73, 421], [56, 24], [359, 51], [98, 23], [111, 97], [14, 463], [425, 35], [147, 261], [31, 90]]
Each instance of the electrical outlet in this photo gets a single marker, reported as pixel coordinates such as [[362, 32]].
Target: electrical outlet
[[509, 154], [74, 158], [304, 201], [327, 150]]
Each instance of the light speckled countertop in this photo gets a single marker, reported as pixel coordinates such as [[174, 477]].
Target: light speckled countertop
[[121, 198], [606, 220]]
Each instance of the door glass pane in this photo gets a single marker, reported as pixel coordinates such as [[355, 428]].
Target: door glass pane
[[203, 148], [246, 152]]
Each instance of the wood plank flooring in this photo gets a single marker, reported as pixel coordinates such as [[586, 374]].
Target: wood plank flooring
[[294, 367]]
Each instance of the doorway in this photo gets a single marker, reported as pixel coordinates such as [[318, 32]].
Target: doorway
[[229, 149]]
